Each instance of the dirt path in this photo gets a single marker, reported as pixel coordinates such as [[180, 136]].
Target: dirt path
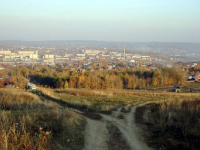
[[118, 112], [129, 129], [96, 135]]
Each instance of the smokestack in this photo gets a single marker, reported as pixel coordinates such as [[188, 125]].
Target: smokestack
[[124, 52]]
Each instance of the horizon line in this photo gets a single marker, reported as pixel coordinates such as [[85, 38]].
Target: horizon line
[[99, 41]]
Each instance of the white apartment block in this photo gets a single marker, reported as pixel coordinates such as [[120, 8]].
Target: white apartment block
[[48, 56]]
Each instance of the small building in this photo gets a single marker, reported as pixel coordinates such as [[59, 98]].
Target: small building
[[176, 89], [196, 77]]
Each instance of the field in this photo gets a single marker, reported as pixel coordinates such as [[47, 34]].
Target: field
[[108, 100], [56, 118], [166, 113]]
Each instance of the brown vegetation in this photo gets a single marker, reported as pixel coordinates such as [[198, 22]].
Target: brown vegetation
[[26, 122], [102, 101], [25, 117], [173, 124], [127, 78]]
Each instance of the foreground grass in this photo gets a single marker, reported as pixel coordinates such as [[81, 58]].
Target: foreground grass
[[172, 119], [27, 122], [172, 124]]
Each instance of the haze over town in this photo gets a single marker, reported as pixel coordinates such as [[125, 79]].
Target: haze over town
[[161, 32]]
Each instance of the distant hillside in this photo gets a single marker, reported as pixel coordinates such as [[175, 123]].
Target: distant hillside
[[154, 46]]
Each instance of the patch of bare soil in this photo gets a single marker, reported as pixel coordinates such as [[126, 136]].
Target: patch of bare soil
[[96, 135], [116, 139]]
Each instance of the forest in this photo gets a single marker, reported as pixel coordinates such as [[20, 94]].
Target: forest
[[59, 76]]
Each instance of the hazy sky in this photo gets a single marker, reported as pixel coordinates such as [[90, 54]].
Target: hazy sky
[[105, 20]]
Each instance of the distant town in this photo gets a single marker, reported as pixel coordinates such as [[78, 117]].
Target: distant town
[[93, 57]]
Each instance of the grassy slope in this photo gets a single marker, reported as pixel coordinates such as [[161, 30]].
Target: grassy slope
[[65, 124], [173, 123], [29, 123], [163, 105], [97, 100]]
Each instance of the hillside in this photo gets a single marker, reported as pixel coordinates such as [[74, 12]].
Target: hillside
[[154, 46], [98, 119]]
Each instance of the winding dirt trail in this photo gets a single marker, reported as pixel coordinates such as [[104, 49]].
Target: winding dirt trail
[[130, 130], [96, 134]]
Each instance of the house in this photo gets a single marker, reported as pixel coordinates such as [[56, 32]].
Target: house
[[176, 89], [4, 83], [196, 77]]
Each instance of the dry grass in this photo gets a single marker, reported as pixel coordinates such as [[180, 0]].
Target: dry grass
[[17, 138], [175, 124], [99, 100], [26, 122], [85, 92], [89, 100], [18, 99], [85, 100]]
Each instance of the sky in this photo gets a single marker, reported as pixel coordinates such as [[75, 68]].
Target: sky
[[101, 20]]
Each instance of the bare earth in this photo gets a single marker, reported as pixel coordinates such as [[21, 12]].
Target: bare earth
[[96, 133]]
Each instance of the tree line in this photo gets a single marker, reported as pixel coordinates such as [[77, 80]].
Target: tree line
[[55, 77], [114, 79]]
